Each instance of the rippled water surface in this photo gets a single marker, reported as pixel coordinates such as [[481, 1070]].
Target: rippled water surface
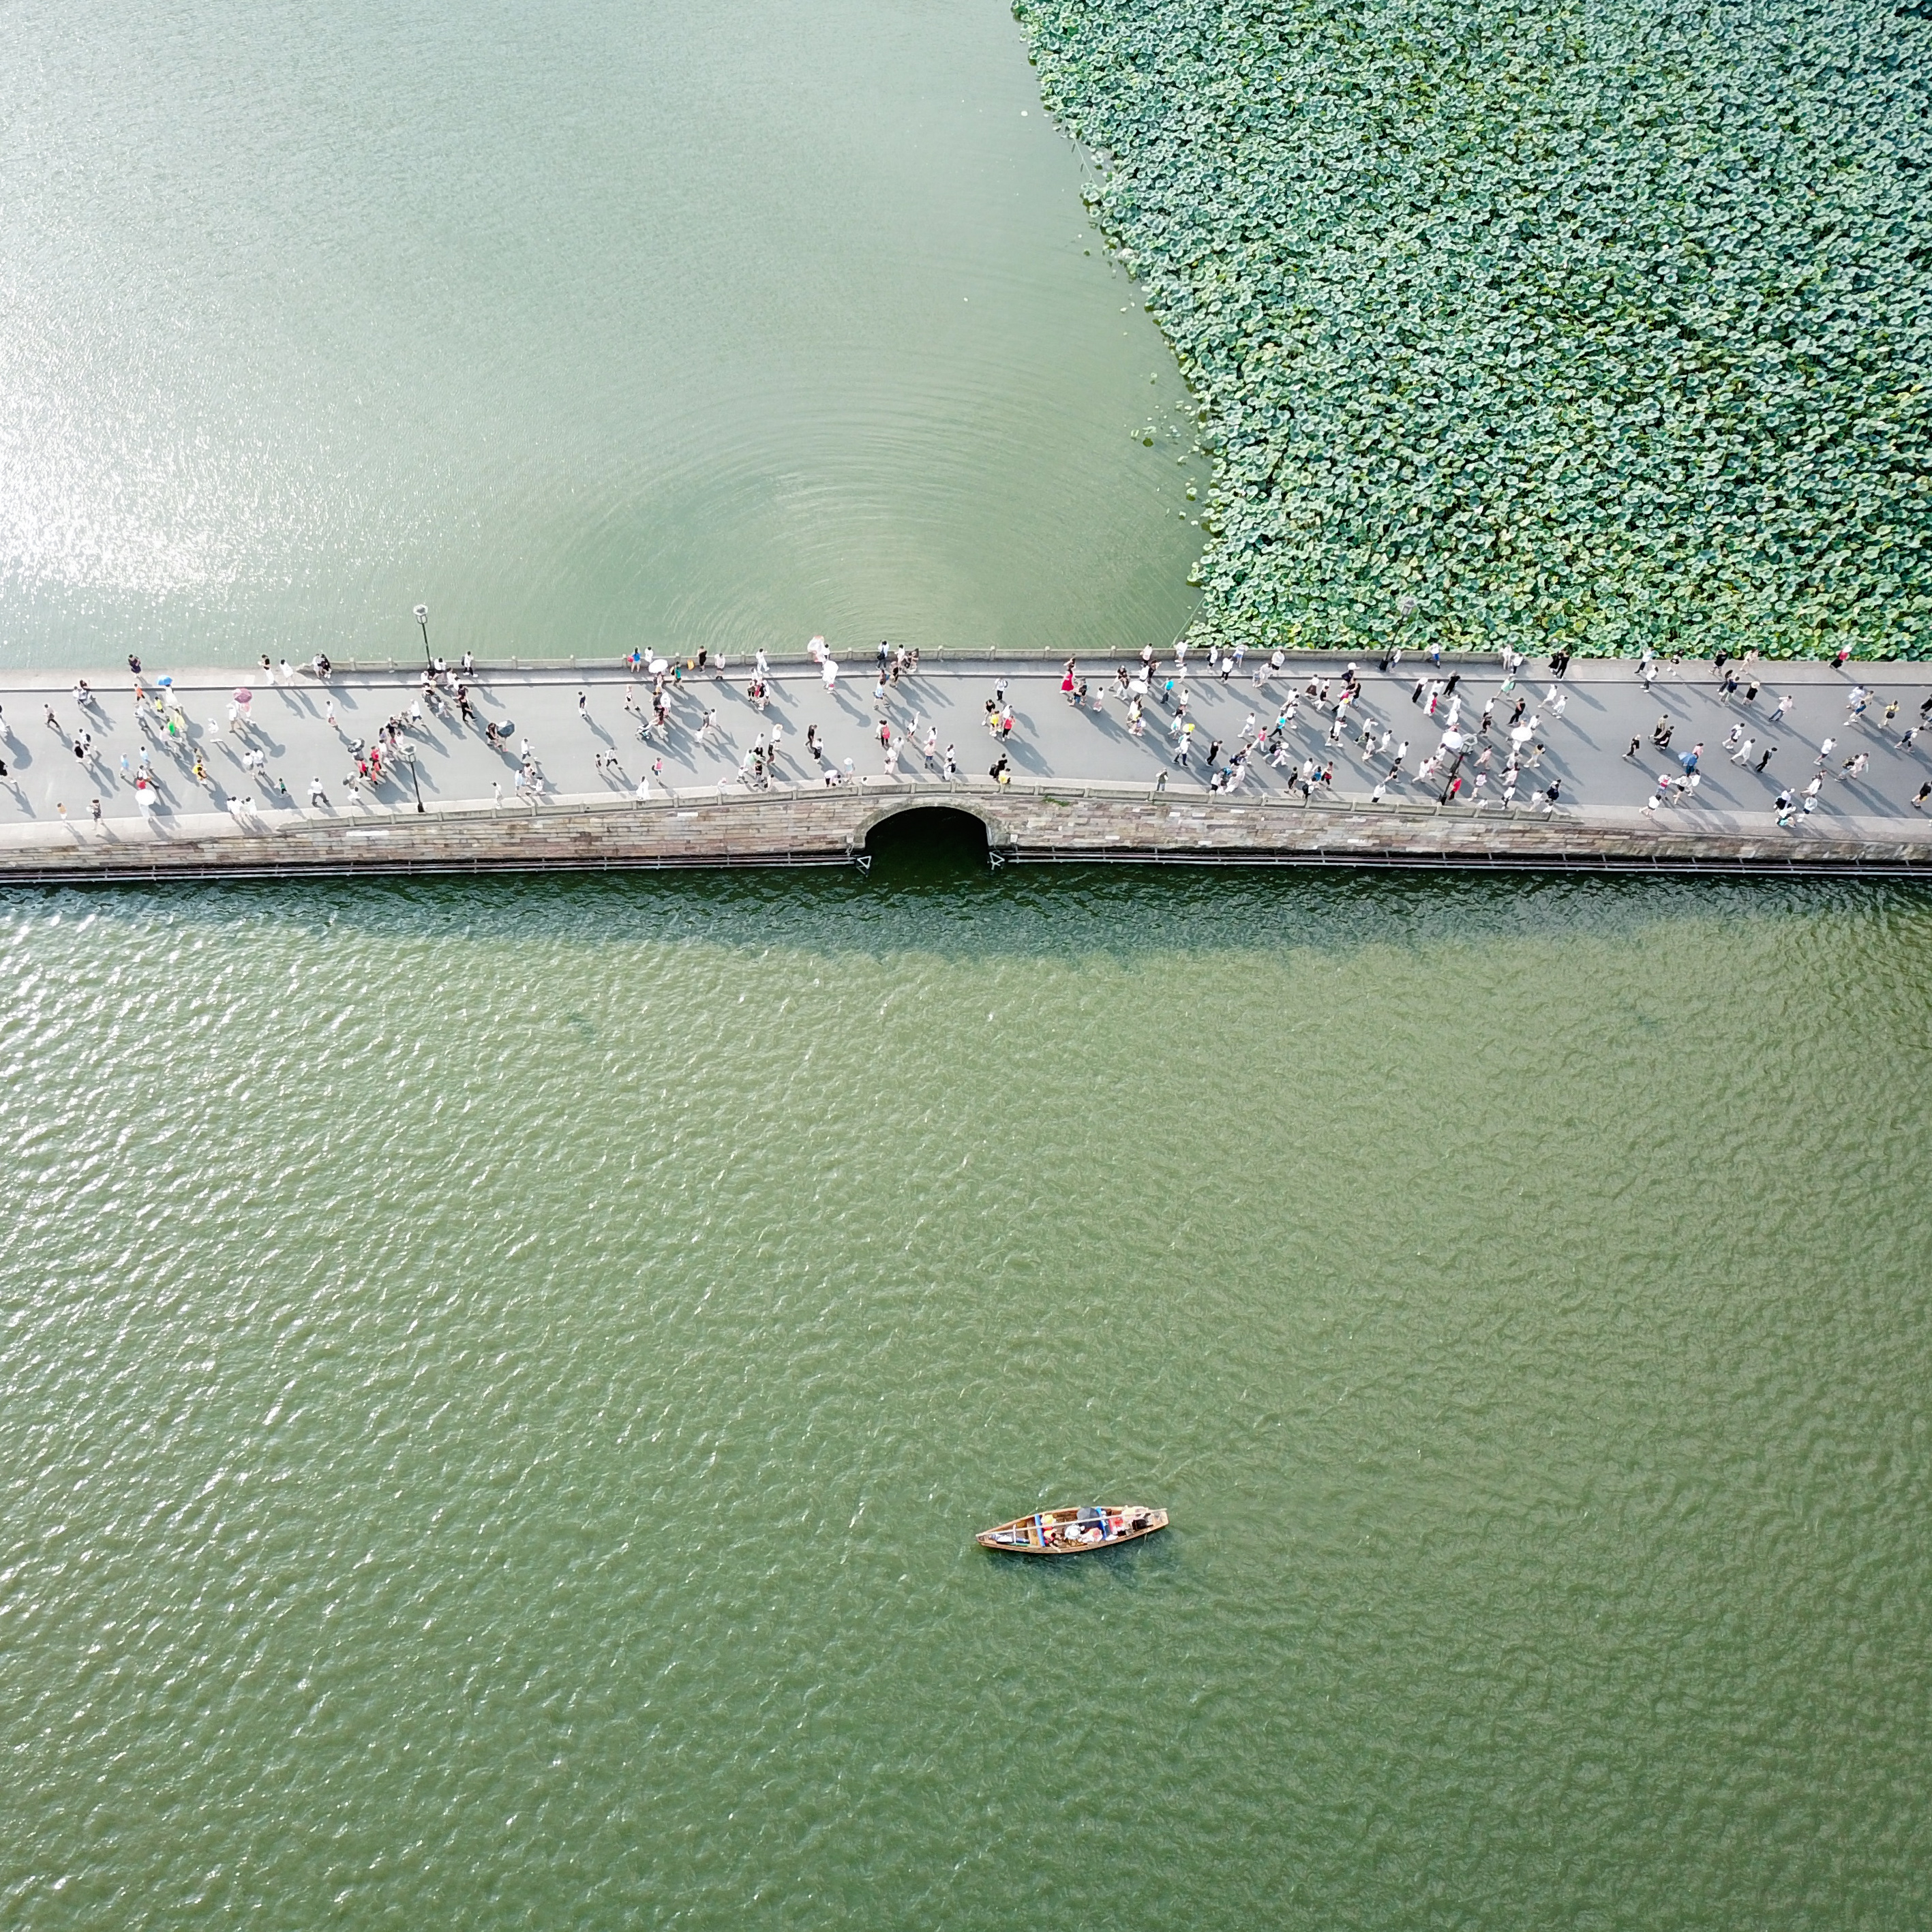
[[709, 322], [497, 1381]]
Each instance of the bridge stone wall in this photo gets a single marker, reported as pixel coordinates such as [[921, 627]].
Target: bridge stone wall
[[828, 827]]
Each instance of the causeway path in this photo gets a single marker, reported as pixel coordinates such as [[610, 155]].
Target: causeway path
[[1083, 786]]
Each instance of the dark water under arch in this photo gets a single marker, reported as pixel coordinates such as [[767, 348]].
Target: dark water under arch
[[928, 838]]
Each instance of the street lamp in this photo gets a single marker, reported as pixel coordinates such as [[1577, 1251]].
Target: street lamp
[[413, 779], [422, 618]]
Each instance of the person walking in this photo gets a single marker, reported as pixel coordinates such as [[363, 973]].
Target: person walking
[[1825, 751], [1765, 757], [1782, 705], [1744, 750]]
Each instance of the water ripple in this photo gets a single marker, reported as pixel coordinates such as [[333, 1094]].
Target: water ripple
[[495, 1381]]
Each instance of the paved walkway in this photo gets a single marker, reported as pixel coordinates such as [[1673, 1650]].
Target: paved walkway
[[307, 734]]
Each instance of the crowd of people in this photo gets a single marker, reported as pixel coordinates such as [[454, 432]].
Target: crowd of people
[[1483, 738]]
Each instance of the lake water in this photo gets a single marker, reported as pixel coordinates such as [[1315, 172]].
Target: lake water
[[716, 322], [498, 1380]]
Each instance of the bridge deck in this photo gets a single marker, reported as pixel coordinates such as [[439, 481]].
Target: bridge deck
[[1083, 786]]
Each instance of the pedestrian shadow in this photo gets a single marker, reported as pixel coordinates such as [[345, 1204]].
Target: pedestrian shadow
[[1109, 726]]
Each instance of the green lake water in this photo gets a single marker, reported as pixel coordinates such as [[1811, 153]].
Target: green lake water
[[714, 322], [497, 1382]]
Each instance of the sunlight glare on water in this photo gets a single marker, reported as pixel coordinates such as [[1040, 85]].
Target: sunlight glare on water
[[593, 326]]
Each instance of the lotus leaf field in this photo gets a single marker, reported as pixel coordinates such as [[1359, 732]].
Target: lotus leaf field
[[1607, 325]]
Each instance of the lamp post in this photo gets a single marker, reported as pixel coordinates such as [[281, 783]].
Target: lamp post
[[422, 618], [413, 779]]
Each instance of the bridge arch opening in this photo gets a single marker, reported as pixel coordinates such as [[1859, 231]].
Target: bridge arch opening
[[927, 839]]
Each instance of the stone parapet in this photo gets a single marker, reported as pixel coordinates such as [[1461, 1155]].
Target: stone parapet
[[720, 826]]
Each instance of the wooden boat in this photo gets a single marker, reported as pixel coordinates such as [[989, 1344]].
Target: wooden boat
[[1072, 1532]]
